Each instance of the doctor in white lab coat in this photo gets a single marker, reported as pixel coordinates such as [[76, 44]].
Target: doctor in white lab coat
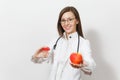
[[71, 40]]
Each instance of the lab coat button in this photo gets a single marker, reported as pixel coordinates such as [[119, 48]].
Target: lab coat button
[[70, 37]]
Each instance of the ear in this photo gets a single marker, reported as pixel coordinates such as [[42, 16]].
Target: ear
[[77, 22]]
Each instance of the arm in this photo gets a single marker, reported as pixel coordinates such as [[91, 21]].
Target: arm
[[88, 64], [88, 59], [44, 56], [82, 67]]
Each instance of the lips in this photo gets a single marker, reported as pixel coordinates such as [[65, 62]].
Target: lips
[[67, 28]]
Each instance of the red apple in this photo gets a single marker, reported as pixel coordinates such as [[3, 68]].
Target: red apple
[[45, 49], [76, 58]]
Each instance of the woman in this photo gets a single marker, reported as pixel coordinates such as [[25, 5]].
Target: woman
[[71, 40]]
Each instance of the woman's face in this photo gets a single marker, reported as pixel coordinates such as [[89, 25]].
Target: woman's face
[[69, 22]]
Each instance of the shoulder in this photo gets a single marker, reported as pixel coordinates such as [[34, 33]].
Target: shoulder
[[85, 45], [84, 40], [55, 40]]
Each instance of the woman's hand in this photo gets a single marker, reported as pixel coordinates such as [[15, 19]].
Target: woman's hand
[[41, 53], [79, 65], [86, 71]]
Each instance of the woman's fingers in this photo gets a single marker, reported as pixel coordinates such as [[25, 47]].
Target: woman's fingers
[[79, 65], [42, 52], [76, 65]]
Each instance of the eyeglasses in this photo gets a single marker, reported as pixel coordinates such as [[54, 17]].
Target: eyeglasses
[[69, 20]]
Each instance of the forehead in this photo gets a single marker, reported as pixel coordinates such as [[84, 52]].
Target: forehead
[[68, 15]]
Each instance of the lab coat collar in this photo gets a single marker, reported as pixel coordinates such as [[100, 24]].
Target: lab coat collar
[[70, 36]]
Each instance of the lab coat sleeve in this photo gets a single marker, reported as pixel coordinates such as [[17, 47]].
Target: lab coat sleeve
[[87, 57], [49, 59]]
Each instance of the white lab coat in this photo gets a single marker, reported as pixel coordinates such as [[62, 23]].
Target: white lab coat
[[61, 68]]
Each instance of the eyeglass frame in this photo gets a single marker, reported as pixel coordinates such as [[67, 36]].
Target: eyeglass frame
[[69, 20]]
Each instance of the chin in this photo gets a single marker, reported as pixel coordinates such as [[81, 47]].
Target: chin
[[68, 31]]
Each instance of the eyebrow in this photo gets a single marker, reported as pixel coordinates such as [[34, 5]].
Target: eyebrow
[[68, 17]]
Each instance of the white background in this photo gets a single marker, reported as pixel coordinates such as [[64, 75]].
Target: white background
[[25, 25]]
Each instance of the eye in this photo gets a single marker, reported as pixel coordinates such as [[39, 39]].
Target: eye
[[63, 20], [70, 19]]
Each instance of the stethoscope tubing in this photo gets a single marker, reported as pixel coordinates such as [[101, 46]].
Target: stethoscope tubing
[[54, 47]]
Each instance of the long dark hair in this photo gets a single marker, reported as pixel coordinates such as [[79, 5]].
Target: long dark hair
[[75, 12]]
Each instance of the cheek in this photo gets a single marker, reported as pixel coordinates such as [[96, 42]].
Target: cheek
[[62, 27], [74, 27]]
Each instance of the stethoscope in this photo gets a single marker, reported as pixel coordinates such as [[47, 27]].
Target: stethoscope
[[54, 47]]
